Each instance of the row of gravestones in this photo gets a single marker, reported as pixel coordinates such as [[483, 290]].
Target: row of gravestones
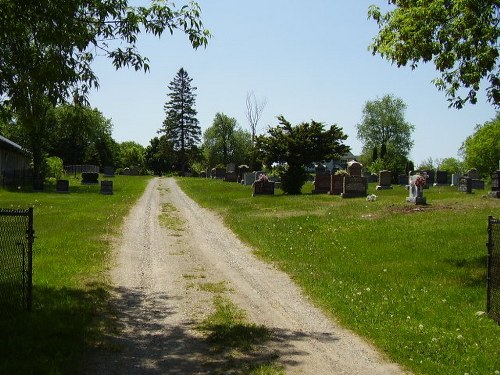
[[442, 178], [88, 178], [349, 185]]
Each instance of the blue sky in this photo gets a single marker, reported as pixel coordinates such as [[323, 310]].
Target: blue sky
[[309, 60]]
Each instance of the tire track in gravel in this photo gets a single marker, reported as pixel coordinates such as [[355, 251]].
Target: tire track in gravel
[[158, 307]]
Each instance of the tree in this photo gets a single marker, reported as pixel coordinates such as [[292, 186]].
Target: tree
[[481, 150], [253, 113], [181, 125], [459, 37], [295, 147], [81, 135], [226, 142], [383, 126], [131, 155], [451, 165], [159, 155], [47, 49]]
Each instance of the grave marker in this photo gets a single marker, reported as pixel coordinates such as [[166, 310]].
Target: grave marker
[[384, 180]]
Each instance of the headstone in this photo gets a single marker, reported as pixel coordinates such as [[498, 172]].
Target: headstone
[[106, 187], [429, 178], [495, 185], [465, 184], [231, 177], [231, 167], [354, 168], [337, 184], [322, 183], [242, 169], [455, 177], [354, 186], [402, 179], [62, 186], [90, 178], [384, 180], [263, 186], [203, 174], [477, 184], [473, 173], [416, 185], [320, 169], [248, 178], [441, 178], [109, 172], [218, 173]]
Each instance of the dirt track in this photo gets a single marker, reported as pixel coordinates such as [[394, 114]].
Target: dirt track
[[159, 305]]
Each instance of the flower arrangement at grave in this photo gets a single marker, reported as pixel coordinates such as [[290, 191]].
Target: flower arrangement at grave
[[420, 181], [263, 185]]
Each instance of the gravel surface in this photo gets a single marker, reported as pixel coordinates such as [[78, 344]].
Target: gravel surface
[[158, 302]]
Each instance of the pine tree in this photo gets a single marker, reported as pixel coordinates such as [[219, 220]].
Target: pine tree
[[181, 126]]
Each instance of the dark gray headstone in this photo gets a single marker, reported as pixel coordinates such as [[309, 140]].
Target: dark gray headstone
[[441, 178], [465, 184], [62, 186], [354, 186], [322, 183], [107, 187], [384, 180]]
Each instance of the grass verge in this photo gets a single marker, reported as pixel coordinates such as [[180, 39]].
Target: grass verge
[[71, 254], [411, 279]]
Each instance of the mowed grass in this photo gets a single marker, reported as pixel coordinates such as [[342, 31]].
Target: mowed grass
[[74, 234], [411, 279]]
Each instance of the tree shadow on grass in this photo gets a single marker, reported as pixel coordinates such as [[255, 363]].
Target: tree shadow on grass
[[473, 270], [51, 338]]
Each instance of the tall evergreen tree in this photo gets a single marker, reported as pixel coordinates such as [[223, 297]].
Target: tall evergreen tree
[[181, 126]]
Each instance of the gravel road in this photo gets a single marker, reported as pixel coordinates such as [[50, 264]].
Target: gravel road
[[158, 302]]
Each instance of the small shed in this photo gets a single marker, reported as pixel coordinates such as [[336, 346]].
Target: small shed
[[15, 163]]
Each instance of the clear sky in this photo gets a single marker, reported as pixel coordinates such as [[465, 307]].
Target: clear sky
[[308, 60]]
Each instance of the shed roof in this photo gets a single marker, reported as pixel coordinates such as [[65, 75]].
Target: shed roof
[[13, 146]]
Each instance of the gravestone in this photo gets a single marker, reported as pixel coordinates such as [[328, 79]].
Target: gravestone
[[402, 179], [441, 178], [231, 177], [455, 177], [384, 180], [337, 184], [203, 174], [473, 173], [106, 187], [62, 186], [231, 167], [354, 186], [322, 183], [90, 178], [429, 178], [416, 185], [477, 184], [354, 168], [109, 172], [263, 186], [242, 169], [495, 185], [248, 178], [465, 184], [218, 173]]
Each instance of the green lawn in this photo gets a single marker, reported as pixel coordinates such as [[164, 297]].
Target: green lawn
[[71, 252], [411, 279]]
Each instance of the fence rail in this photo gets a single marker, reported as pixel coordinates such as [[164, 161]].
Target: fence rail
[[16, 260], [493, 289]]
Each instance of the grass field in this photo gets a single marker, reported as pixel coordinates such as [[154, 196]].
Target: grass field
[[71, 252], [411, 279]]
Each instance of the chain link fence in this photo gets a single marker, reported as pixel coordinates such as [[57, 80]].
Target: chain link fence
[[16, 266], [493, 291]]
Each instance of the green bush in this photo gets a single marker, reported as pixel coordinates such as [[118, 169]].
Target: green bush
[[55, 167]]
